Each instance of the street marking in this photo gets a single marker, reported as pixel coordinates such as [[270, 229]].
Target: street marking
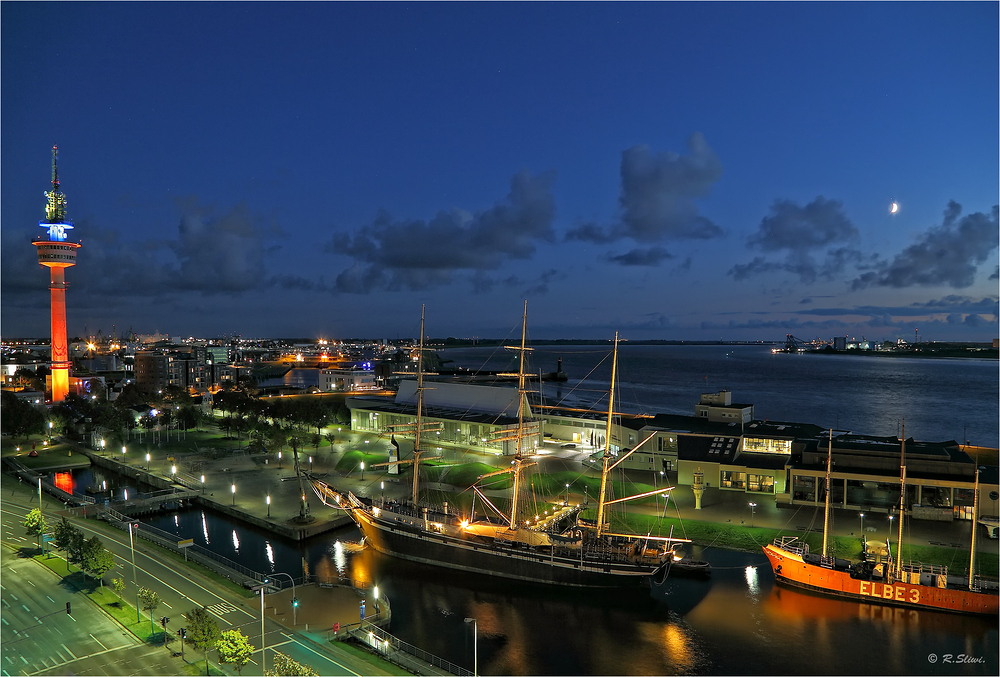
[[50, 599], [30, 583], [166, 605], [222, 608], [15, 598], [99, 642], [4, 621], [25, 607], [68, 651]]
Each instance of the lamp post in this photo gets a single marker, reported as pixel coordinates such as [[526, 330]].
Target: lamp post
[[269, 505], [131, 545], [173, 471], [295, 599], [310, 464], [202, 485], [862, 525], [123, 453], [102, 446], [382, 487], [50, 431], [362, 471], [279, 460], [147, 462], [263, 670], [475, 643], [567, 494], [234, 495], [753, 507]]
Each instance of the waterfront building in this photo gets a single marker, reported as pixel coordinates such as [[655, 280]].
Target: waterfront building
[[781, 461], [477, 417], [347, 380], [57, 253]]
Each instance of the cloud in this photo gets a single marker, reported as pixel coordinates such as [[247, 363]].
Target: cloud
[[952, 304], [791, 227], [803, 233], [219, 253], [946, 254], [642, 257], [418, 255], [658, 193]]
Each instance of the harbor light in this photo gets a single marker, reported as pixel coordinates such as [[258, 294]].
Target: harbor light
[[269, 505], [234, 495]]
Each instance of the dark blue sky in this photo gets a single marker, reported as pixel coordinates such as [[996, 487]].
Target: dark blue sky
[[667, 170]]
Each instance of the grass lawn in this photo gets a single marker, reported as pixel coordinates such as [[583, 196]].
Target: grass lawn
[[350, 462], [105, 598]]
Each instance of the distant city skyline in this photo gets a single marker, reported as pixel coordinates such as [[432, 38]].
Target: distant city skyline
[[674, 171]]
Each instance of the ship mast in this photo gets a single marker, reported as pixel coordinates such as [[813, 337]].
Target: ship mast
[[607, 441], [420, 408], [515, 497], [975, 517], [826, 513], [902, 500]]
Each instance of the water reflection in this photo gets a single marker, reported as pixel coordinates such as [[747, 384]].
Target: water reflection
[[204, 528], [236, 542], [270, 553]]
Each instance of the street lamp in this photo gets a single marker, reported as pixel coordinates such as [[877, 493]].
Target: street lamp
[[234, 495], [753, 506], [147, 462], [295, 599], [50, 431], [862, 525], [362, 471], [382, 486], [475, 641], [203, 485], [279, 460], [123, 452], [173, 470], [131, 545], [102, 445], [269, 505], [310, 464], [567, 494]]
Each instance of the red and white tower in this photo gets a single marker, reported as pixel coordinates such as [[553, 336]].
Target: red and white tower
[[57, 254]]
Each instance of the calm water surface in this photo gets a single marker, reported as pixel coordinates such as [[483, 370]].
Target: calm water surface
[[940, 399], [738, 622]]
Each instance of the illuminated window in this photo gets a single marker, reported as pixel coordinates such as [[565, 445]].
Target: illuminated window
[[764, 445]]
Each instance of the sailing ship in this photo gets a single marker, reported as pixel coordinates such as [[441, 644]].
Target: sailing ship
[[561, 549], [878, 578]]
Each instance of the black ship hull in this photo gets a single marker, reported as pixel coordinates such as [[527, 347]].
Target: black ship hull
[[498, 560]]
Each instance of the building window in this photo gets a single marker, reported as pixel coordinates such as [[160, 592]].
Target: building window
[[767, 446], [760, 483], [804, 488], [732, 479]]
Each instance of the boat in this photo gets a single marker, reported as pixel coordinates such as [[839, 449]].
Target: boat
[[879, 578], [561, 549]]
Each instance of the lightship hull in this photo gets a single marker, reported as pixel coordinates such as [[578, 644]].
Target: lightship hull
[[791, 569], [496, 560]]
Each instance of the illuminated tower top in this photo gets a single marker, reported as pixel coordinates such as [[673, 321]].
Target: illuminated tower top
[[55, 206]]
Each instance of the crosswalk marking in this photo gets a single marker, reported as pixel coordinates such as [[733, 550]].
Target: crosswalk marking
[[222, 608]]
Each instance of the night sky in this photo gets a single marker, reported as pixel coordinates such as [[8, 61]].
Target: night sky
[[666, 170]]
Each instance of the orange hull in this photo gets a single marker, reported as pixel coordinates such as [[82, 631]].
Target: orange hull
[[790, 569]]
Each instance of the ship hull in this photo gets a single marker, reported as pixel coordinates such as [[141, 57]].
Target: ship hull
[[497, 561], [790, 569]]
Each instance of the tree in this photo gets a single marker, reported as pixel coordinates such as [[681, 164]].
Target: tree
[[286, 666], [235, 648], [35, 524], [97, 560], [69, 539], [202, 630], [149, 600], [20, 419], [119, 586]]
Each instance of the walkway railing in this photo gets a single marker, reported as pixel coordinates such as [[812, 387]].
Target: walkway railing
[[402, 653]]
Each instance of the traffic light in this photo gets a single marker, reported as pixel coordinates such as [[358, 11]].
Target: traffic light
[[69, 609], [183, 633], [164, 621], [295, 601]]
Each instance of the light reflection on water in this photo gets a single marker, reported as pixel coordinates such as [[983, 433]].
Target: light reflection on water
[[738, 622]]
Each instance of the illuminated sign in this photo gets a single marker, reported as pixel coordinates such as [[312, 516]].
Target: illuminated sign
[[57, 231]]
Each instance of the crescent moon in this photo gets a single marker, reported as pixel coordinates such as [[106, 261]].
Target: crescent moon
[[894, 208]]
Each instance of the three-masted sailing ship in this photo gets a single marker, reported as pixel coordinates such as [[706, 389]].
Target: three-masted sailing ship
[[559, 550], [881, 579]]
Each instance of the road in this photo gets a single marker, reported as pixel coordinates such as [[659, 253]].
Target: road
[[180, 591]]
